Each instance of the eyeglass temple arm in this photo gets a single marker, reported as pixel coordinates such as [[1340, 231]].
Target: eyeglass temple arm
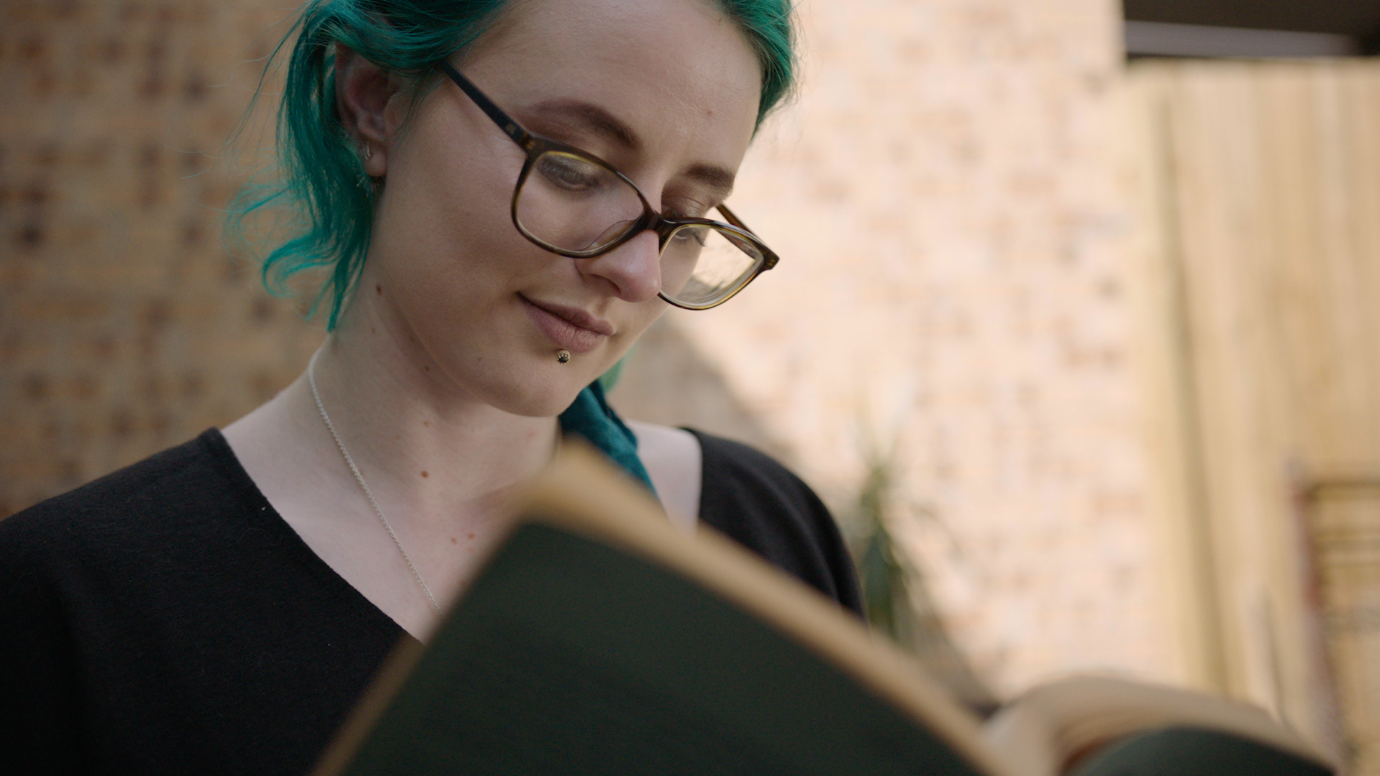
[[506, 123], [733, 219], [769, 255]]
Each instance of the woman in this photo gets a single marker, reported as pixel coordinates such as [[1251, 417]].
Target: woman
[[519, 179]]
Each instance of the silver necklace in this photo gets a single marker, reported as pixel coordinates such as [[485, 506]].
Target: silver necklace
[[311, 380]]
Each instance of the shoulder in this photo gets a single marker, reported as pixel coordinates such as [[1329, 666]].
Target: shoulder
[[737, 475], [75, 572], [168, 597], [122, 520], [739, 467], [139, 492], [672, 459], [761, 504]]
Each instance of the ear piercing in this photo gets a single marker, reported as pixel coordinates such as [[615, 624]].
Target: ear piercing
[[563, 357], [364, 178]]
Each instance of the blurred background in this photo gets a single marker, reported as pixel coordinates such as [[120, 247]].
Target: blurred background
[[1078, 302]]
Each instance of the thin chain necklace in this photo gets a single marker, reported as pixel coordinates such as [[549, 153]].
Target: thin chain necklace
[[311, 380]]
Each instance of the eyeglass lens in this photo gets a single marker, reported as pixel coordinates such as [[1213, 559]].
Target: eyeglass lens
[[573, 204]]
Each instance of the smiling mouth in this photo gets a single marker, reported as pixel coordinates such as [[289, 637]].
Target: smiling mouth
[[569, 328]]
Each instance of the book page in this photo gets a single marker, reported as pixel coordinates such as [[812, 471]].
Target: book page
[[1068, 718]]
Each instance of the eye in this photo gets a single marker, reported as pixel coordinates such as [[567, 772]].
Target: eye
[[685, 209], [691, 234], [571, 173]]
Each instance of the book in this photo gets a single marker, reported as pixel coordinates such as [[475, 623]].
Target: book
[[598, 639]]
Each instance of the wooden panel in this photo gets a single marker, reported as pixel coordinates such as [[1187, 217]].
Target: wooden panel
[[1268, 209]]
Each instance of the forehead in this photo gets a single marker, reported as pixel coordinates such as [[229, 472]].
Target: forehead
[[669, 68]]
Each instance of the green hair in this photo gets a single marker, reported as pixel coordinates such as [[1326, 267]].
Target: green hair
[[319, 182]]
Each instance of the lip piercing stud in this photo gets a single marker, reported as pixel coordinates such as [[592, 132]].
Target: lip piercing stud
[[563, 357]]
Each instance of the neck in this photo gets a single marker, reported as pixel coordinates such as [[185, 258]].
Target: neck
[[442, 467], [431, 452]]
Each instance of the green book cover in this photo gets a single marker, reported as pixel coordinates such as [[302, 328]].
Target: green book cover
[[570, 657]]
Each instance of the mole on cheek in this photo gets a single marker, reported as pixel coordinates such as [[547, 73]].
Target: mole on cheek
[[378, 287], [426, 474]]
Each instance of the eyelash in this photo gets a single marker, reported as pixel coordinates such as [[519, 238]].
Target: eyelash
[[690, 209], [686, 208]]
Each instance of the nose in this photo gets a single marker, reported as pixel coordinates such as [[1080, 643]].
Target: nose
[[633, 269]]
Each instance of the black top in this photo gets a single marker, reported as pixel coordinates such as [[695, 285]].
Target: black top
[[165, 619]]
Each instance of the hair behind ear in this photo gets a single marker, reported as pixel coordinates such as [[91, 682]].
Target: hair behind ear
[[318, 190]]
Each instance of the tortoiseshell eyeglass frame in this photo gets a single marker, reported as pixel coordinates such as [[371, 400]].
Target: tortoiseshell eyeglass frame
[[535, 145]]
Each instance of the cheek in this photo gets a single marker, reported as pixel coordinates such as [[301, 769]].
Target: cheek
[[437, 204], [443, 222], [452, 176], [645, 314]]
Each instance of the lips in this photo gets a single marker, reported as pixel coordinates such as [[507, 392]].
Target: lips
[[567, 327]]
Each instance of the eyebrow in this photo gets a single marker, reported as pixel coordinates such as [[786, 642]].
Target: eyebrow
[[597, 118], [720, 179], [717, 178]]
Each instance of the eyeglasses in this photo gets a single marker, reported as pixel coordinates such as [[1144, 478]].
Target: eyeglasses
[[575, 204]]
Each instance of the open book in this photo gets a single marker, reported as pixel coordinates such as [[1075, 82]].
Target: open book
[[600, 640]]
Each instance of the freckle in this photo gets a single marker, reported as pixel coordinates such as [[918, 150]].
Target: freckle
[[452, 540], [426, 367], [471, 536], [378, 288], [426, 474], [372, 330], [426, 423]]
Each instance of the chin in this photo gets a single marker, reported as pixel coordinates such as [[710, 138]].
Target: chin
[[544, 407], [547, 393]]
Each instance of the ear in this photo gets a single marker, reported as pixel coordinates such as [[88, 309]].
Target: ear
[[371, 106]]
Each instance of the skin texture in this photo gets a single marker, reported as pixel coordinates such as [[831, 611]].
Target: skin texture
[[441, 376]]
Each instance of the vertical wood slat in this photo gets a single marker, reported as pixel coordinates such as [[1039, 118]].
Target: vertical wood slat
[[1275, 185], [1169, 409]]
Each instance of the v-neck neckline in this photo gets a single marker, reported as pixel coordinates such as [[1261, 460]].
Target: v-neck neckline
[[292, 543]]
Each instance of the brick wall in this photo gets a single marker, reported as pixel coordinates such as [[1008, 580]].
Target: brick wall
[[951, 204], [946, 197], [124, 325]]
